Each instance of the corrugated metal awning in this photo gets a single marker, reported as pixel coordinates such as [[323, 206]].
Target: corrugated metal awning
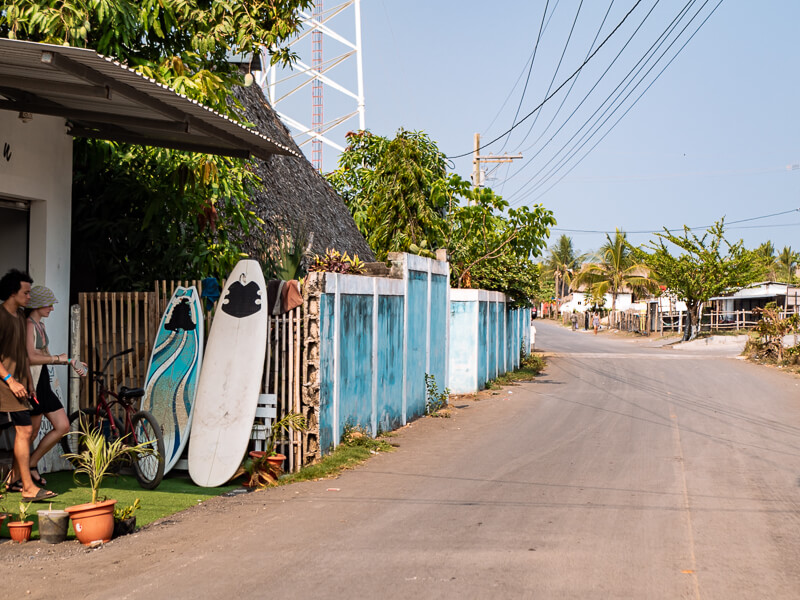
[[103, 99]]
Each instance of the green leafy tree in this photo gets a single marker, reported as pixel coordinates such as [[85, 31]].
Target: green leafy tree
[[491, 246], [191, 209], [707, 266], [394, 189], [562, 263], [403, 200], [616, 270]]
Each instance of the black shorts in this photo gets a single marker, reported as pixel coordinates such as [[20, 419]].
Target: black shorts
[[48, 401], [20, 418]]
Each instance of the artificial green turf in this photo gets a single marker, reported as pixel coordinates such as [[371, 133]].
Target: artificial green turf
[[174, 493]]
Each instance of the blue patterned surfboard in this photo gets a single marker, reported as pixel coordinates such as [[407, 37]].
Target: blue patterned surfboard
[[174, 370]]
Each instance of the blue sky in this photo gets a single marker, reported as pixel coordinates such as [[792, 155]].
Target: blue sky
[[712, 137]]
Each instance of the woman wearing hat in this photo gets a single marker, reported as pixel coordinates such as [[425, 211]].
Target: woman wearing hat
[[48, 390]]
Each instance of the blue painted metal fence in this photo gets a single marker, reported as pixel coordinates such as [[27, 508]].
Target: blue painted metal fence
[[379, 336]]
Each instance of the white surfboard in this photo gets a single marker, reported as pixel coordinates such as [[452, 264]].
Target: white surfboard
[[230, 380]]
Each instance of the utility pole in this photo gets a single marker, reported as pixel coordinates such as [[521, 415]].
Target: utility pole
[[477, 159]]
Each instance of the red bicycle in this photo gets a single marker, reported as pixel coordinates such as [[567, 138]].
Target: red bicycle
[[136, 426]]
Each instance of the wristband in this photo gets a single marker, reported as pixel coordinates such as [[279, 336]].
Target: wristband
[[6, 378]]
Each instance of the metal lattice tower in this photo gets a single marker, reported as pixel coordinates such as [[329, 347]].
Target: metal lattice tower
[[341, 75], [316, 90]]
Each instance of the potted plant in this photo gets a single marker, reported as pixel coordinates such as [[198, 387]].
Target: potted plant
[[20, 530], [125, 519], [263, 468], [53, 525], [94, 521]]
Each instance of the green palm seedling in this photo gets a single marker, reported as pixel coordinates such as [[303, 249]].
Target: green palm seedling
[[97, 455]]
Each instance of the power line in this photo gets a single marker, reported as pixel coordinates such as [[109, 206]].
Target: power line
[[533, 60], [549, 176], [747, 220], [555, 73], [629, 77], [586, 97], [578, 70], [574, 81]]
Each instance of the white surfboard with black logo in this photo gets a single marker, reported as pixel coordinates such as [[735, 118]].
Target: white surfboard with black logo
[[230, 380]]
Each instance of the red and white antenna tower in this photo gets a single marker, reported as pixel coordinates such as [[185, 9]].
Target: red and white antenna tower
[[339, 70]]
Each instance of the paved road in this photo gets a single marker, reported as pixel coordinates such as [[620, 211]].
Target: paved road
[[625, 471]]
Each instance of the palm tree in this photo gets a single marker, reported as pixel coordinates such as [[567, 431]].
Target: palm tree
[[767, 251], [562, 262], [787, 263], [615, 270]]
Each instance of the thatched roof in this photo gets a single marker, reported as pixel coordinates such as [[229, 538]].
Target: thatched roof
[[293, 195]]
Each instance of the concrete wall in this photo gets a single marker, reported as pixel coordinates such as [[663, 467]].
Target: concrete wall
[[378, 337], [486, 338]]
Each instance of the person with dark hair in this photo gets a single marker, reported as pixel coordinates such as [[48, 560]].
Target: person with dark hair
[[17, 385]]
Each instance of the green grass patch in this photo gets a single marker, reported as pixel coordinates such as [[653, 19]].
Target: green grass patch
[[175, 493], [356, 447], [530, 366]]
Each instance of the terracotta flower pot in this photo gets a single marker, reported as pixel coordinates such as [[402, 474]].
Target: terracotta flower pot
[[93, 522], [20, 531], [276, 460]]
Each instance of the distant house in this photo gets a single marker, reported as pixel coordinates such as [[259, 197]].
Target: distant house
[[755, 296], [582, 301]]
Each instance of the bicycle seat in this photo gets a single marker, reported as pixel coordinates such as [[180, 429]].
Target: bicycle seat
[[126, 393]]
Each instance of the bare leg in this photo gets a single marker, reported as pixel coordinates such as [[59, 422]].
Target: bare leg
[[58, 418], [22, 457]]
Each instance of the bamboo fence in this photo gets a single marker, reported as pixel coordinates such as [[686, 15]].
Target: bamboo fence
[[116, 321]]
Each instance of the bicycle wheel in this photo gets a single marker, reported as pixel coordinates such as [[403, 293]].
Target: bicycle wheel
[[149, 468], [70, 443]]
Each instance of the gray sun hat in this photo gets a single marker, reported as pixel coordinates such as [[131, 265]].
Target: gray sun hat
[[41, 296]]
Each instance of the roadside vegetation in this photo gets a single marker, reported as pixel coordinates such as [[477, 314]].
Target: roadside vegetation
[[766, 345], [530, 366], [356, 447]]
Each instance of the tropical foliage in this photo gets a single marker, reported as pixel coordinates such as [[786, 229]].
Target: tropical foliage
[[183, 213], [615, 271], [562, 263], [403, 200], [707, 266], [788, 261]]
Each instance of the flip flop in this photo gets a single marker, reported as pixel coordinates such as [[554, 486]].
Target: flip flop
[[37, 479], [40, 496]]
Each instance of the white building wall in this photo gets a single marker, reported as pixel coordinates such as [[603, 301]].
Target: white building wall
[[37, 167]]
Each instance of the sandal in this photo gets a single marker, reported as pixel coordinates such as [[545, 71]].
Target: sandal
[[15, 487], [40, 496], [37, 479]]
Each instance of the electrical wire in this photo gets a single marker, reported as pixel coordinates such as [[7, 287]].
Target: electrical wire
[[533, 60], [574, 81], [555, 73], [578, 70], [635, 70], [747, 220], [539, 185]]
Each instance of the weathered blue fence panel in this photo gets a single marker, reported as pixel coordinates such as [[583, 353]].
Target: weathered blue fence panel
[[355, 366], [416, 355], [390, 363], [440, 320]]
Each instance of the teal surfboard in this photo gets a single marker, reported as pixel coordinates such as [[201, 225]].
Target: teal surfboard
[[174, 370]]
